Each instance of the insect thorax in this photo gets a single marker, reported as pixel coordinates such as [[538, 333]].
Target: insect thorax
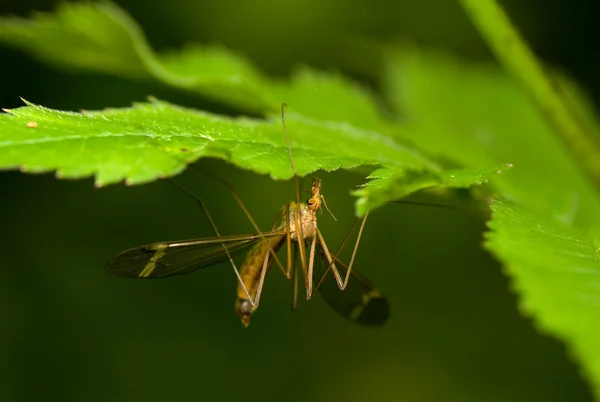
[[306, 217]]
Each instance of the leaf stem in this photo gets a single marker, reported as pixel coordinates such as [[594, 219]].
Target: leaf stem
[[516, 56]]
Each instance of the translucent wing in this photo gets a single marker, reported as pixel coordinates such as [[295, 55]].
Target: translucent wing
[[164, 259], [360, 302]]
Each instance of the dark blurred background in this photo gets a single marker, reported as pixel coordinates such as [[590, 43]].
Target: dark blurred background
[[71, 332]]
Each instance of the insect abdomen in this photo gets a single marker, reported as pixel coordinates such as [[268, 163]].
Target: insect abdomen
[[250, 273]]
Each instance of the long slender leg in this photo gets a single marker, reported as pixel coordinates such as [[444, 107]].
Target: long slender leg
[[301, 244], [299, 232], [289, 241], [287, 273], [342, 284], [362, 226], [338, 279], [245, 209], [330, 260], [293, 165], [311, 265], [295, 297], [261, 282], [214, 227]]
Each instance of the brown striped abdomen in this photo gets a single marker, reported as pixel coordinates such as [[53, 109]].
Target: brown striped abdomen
[[250, 273]]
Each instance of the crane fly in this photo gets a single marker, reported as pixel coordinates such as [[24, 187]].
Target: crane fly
[[342, 287]]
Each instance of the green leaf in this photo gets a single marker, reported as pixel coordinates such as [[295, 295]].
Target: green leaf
[[156, 139], [556, 270], [387, 184], [102, 37], [519, 60], [334, 122], [474, 115]]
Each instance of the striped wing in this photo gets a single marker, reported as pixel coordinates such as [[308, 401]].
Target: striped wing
[[165, 259]]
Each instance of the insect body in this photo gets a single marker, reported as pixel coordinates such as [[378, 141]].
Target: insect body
[[299, 222], [345, 290]]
